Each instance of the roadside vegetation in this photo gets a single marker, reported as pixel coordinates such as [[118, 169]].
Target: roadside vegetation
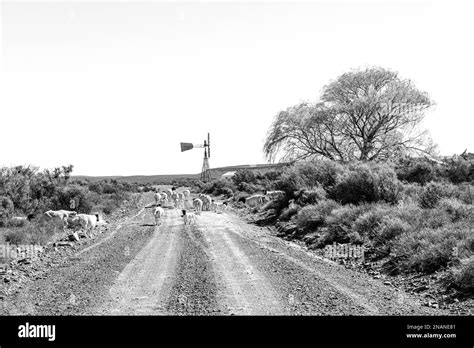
[[411, 214], [25, 190], [361, 171]]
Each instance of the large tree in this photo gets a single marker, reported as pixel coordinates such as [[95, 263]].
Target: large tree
[[362, 115]]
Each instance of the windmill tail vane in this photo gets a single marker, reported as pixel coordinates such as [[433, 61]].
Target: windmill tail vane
[[205, 171]]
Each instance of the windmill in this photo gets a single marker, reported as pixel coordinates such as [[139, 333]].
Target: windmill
[[206, 171]]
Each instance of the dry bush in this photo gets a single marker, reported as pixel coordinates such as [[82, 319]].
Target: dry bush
[[433, 192], [456, 209], [40, 232], [310, 217], [367, 182], [428, 250]]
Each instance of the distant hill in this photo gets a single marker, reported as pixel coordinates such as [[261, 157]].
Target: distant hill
[[215, 173]]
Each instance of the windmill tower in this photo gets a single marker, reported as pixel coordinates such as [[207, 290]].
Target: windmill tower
[[206, 170]]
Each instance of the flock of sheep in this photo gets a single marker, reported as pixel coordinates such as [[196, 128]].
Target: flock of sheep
[[87, 221], [202, 203], [65, 217], [168, 197]]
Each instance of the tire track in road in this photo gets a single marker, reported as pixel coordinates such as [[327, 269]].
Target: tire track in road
[[119, 226], [195, 288], [308, 284], [360, 300], [244, 290], [144, 285]]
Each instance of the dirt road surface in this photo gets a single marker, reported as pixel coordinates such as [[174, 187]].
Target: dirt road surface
[[220, 266]]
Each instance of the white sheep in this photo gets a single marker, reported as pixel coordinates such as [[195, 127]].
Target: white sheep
[[87, 221], [197, 204], [168, 192], [218, 207], [174, 197], [189, 217], [206, 201], [274, 194], [61, 215], [158, 197], [159, 212], [255, 200]]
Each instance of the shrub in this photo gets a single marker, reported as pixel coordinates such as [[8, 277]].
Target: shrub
[[434, 218], [79, 194], [338, 224], [433, 192], [355, 238], [243, 176], [287, 213], [390, 227], [458, 170], [410, 192], [251, 188], [227, 192], [272, 175], [416, 170], [455, 208], [311, 196], [428, 250], [6, 209], [465, 247], [466, 192], [290, 182], [346, 215], [464, 278], [410, 212], [16, 223], [16, 237], [109, 207], [39, 233], [320, 173], [310, 217], [368, 224], [367, 182], [223, 186]]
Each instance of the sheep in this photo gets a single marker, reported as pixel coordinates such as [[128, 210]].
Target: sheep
[[206, 201], [218, 207], [174, 197], [180, 198], [255, 200], [158, 197], [61, 215], [164, 199], [87, 221], [168, 192], [20, 220], [159, 212], [29, 217], [189, 217], [197, 204], [274, 194]]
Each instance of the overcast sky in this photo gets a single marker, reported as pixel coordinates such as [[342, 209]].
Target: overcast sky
[[114, 87]]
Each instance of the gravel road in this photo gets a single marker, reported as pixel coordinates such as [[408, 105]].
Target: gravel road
[[220, 266]]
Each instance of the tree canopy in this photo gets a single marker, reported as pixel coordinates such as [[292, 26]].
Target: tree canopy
[[362, 115]]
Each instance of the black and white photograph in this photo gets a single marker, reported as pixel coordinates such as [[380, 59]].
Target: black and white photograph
[[205, 164]]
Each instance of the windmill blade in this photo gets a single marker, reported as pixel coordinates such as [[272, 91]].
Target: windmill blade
[[208, 145], [186, 146]]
